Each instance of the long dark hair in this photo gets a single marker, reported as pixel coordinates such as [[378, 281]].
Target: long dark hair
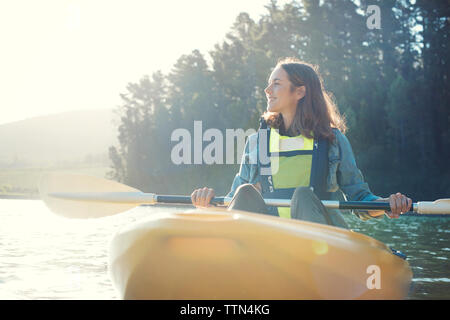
[[316, 112]]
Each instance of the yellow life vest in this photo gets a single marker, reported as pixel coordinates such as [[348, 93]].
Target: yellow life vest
[[293, 162]]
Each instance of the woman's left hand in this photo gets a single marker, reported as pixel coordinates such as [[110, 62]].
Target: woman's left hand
[[399, 204]]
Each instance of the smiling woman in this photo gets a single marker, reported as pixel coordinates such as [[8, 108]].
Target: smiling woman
[[316, 166], [288, 105]]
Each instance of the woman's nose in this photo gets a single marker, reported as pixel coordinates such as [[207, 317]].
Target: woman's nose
[[267, 90]]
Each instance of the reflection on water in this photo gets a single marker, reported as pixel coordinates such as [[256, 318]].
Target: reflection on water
[[43, 256], [426, 242]]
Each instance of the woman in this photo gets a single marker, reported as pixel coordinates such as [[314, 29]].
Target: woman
[[300, 153]]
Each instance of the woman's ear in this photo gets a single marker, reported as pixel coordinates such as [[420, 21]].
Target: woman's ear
[[300, 92]]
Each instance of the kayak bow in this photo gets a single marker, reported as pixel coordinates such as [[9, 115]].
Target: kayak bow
[[218, 254]]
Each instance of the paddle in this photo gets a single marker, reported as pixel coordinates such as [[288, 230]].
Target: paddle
[[82, 196]]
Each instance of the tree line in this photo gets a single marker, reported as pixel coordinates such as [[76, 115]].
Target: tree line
[[390, 83]]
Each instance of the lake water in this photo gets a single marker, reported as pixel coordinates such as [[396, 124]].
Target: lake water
[[44, 256]]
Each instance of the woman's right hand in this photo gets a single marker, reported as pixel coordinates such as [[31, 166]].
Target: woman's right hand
[[202, 197]]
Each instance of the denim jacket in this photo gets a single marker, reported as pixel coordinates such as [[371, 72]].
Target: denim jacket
[[343, 174]]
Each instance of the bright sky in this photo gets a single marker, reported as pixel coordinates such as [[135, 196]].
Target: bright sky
[[62, 55]]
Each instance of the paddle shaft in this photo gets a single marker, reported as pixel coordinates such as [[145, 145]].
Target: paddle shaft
[[358, 205], [149, 198]]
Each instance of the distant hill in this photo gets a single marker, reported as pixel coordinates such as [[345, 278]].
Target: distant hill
[[65, 137]]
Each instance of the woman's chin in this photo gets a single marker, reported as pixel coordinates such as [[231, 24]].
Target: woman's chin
[[271, 108]]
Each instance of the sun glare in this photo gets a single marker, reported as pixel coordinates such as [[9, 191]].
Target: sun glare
[[72, 55]]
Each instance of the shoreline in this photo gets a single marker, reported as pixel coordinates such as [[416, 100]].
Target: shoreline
[[20, 196]]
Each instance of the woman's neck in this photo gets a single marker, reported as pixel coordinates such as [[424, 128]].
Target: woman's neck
[[288, 118]]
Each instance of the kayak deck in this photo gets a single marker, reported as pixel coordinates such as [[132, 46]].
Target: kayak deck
[[217, 254]]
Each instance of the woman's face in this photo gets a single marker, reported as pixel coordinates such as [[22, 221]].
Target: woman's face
[[280, 97]]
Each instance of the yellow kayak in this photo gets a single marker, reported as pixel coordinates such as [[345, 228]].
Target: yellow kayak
[[235, 255]]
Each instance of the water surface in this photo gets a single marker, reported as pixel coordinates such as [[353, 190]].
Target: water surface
[[44, 256]]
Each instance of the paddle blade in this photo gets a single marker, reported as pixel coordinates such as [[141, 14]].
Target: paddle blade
[[55, 183]]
